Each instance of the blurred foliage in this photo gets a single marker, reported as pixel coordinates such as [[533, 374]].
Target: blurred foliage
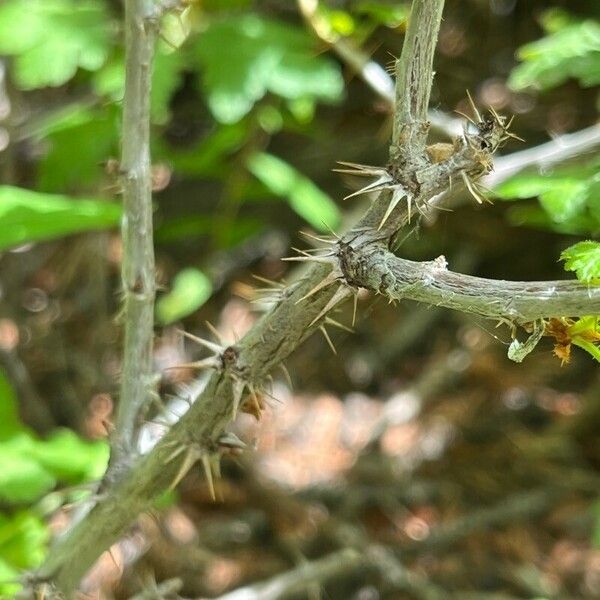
[[571, 49], [51, 39], [302, 194], [189, 291], [242, 58], [30, 468], [27, 216], [569, 198]]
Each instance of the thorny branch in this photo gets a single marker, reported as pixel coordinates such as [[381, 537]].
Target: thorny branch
[[415, 176], [138, 278]]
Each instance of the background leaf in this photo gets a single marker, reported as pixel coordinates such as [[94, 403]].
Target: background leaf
[[28, 216], [246, 56], [306, 199], [190, 290], [572, 50], [53, 38], [584, 259]]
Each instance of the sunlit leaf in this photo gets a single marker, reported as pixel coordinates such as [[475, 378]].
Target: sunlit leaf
[[392, 14], [565, 196], [51, 39], [246, 56], [28, 216], [190, 290], [303, 195], [23, 539], [584, 259], [572, 51], [8, 575], [22, 478], [69, 458]]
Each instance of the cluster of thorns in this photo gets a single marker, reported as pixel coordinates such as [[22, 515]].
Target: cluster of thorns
[[491, 132]]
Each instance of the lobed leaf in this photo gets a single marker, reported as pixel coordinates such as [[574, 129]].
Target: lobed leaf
[[28, 216], [584, 259], [51, 39]]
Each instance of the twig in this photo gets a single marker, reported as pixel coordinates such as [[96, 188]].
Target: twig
[[370, 71], [519, 506], [161, 591], [300, 578], [137, 272], [431, 282], [414, 78], [270, 341], [557, 150]]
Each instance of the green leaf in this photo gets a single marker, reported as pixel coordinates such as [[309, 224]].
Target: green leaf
[[8, 574], [51, 39], [246, 56], [190, 290], [523, 186], [572, 51], [28, 216], [79, 141], [69, 458], [303, 195], [9, 415], [565, 199], [390, 14], [584, 259], [23, 540], [22, 478], [536, 217]]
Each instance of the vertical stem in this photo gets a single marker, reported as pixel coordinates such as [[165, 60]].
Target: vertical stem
[[414, 78], [137, 272]]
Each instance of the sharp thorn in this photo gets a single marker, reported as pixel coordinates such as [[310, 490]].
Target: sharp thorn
[[396, 197], [216, 333], [331, 231], [466, 117], [238, 392], [286, 374], [208, 473], [178, 450], [330, 279], [188, 462], [317, 238], [230, 440], [317, 259], [268, 282], [328, 339], [379, 184], [341, 293], [206, 363], [216, 469], [210, 345], [473, 107], [334, 323], [470, 187]]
